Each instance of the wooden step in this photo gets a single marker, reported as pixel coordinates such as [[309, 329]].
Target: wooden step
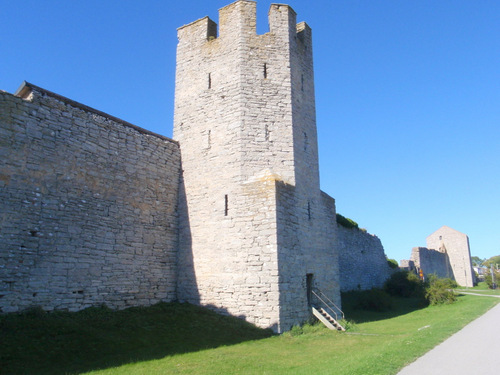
[[327, 319]]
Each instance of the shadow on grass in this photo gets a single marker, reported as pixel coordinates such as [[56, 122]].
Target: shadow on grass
[[36, 342], [395, 306]]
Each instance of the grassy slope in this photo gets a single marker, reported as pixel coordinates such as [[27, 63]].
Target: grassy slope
[[59, 343], [378, 346], [184, 339]]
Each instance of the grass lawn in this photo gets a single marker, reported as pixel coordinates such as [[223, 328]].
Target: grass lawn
[[184, 339], [481, 288], [62, 342]]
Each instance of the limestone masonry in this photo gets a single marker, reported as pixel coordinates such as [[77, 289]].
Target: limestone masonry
[[361, 259], [87, 207], [447, 255], [230, 215]]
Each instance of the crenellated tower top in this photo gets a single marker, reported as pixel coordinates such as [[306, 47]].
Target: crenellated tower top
[[238, 21], [253, 91]]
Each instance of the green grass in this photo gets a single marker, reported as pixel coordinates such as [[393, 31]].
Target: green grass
[[481, 288], [63, 342], [162, 340]]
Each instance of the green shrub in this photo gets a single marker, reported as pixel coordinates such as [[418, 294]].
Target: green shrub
[[296, 331], [439, 291], [346, 222], [404, 284], [447, 282], [349, 325], [371, 300], [311, 327], [393, 263], [489, 280]]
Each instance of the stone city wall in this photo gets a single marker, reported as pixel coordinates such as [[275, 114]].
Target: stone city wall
[[298, 259], [431, 261], [447, 255], [87, 207], [363, 264]]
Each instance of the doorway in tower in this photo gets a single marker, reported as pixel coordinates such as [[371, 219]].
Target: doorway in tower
[[309, 287]]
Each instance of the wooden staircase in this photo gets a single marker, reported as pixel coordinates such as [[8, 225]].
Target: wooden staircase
[[325, 310], [327, 319]]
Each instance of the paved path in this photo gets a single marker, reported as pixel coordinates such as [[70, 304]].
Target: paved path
[[476, 294], [475, 349]]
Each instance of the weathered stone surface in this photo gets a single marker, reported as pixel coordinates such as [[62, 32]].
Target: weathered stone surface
[[83, 210], [245, 119], [95, 210], [447, 255], [362, 260]]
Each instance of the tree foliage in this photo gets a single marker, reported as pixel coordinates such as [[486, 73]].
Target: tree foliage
[[476, 261], [489, 279], [494, 260]]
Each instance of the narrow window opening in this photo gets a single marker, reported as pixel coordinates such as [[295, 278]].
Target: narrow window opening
[[267, 132], [306, 141], [209, 139], [302, 82], [209, 80], [226, 206], [265, 70], [309, 210]]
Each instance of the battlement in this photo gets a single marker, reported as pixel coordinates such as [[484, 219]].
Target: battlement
[[239, 21]]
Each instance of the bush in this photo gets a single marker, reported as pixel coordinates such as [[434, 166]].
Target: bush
[[312, 327], [404, 284], [371, 300], [489, 280], [393, 263], [349, 325], [296, 330], [347, 223], [439, 291], [447, 282]]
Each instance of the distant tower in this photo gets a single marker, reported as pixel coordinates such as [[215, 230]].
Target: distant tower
[[257, 233], [456, 246]]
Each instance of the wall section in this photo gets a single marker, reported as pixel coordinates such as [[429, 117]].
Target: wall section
[[363, 264], [431, 261], [87, 207]]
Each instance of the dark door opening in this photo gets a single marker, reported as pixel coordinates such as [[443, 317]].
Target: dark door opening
[[309, 286]]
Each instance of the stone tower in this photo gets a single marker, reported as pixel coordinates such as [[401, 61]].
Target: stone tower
[[256, 232], [455, 245]]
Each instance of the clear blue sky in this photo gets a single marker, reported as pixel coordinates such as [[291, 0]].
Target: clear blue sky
[[407, 93]]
